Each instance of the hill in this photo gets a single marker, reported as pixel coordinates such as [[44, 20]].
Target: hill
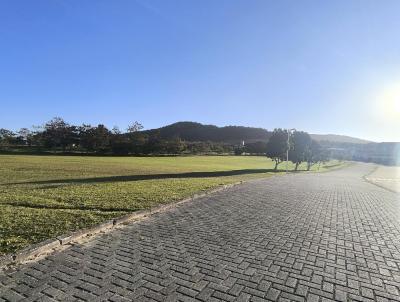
[[191, 131], [339, 146], [338, 138]]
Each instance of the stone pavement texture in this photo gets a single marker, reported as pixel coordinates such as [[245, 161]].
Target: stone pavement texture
[[305, 237]]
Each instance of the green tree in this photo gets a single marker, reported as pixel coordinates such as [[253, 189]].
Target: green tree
[[277, 146], [256, 148], [94, 138], [300, 145], [316, 155], [121, 144], [101, 138], [174, 146], [59, 134], [25, 136], [7, 137]]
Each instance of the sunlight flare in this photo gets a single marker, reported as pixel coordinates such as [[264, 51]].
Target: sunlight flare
[[389, 104]]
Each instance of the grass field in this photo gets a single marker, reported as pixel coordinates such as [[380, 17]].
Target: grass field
[[45, 196]]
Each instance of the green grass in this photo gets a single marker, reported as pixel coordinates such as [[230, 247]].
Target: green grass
[[45, 196]]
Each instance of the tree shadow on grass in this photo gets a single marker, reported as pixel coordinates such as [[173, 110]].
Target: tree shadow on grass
[[126, 178]]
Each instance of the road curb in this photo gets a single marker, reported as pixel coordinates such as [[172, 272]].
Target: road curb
[[35, 249], [33, 252], [6, 260]]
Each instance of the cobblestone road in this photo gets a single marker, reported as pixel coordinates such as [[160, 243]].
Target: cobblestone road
[[306, 237]]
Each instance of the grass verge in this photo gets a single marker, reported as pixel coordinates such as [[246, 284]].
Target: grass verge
[[46, 196]]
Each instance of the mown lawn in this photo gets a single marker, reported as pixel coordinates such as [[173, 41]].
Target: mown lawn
[[45, 196]]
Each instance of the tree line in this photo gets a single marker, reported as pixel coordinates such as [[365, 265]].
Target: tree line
[[297, 146], [57, 135]]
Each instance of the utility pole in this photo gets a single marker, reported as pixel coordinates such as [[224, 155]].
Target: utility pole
[[289, 131]]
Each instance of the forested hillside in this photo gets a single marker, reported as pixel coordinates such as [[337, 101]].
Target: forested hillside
[[191, 131]]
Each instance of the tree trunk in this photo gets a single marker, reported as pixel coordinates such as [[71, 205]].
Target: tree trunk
[[297, 165], [276, 165]]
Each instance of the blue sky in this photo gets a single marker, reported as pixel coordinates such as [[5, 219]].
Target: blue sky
[[318, 66]]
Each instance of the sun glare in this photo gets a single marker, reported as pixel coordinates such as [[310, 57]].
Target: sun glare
[[389, 104]]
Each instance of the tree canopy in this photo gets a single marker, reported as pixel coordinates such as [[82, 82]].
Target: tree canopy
[[277, 146]]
